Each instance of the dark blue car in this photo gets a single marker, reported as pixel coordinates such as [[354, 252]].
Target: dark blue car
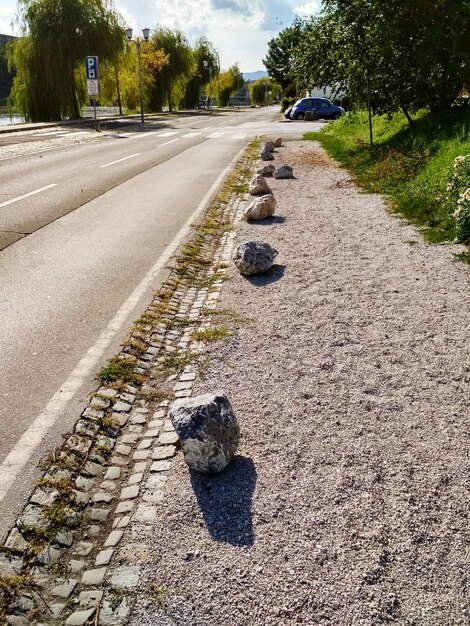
[[323, 106]]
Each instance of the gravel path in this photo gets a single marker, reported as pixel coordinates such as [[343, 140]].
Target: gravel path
[[348, 503]]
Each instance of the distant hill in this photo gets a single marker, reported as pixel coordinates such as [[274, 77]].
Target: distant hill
[[254, 75]]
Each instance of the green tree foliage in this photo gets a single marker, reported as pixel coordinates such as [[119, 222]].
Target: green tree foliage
[[49, 59], [281, 50], [263, 91], [204, 56], [119, 83], [413, 54], [229, 82], [170, 81]]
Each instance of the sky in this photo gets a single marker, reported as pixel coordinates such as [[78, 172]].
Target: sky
[[239, 29]]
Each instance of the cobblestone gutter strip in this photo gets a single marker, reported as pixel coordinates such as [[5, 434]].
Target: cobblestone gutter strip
[[71, 559]]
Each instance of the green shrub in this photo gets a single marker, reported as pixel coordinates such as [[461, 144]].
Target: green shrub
[[458, 199], [287, 102]]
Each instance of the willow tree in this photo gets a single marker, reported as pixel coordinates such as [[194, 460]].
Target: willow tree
[[263, 91], [205, 57], [171, 80], [49, 59], [229, 82]]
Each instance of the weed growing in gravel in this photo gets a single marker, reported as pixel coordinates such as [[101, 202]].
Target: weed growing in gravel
[[159, 594], [119, 369], [212, 334], [175, 363], [10, 586]]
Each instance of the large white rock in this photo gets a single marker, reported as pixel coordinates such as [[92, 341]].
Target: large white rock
[[261, 207], [278, 142], [258, 185], [208, 430], [254, 257]]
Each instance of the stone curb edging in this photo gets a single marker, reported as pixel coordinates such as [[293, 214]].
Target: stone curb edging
[[113, 467]]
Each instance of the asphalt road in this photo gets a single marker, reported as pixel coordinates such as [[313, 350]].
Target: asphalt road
[[86, 230]]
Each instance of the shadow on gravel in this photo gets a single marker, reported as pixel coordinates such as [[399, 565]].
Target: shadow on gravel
[[267, 221], [271, 276], [226, 499]]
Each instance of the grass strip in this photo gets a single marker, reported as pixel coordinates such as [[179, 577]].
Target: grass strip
[[410, 165]]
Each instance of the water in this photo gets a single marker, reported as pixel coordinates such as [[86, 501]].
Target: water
[[6, 120]]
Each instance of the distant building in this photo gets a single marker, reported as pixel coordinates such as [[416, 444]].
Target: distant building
[[6, 77]]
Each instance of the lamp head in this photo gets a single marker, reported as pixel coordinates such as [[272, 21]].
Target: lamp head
[[129, 33], [146, 33]]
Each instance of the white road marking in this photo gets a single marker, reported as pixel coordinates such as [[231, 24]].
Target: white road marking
[[78, 132], [151, 132], [170, 133], [192, 134], [50, 132], [215, 135], [239, 136], [131, 156], [21, 453], [168, 142], [26, 195]]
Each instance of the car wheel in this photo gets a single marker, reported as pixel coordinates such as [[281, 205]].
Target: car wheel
[[299, 116], [336, 116]]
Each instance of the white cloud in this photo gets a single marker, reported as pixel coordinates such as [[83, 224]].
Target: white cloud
[[8, 12], [307, 8], [239, 29]]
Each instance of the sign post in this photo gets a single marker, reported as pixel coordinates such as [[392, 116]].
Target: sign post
[[92, 81]]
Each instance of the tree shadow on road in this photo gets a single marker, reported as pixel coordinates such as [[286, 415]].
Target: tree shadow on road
[[226, 501]]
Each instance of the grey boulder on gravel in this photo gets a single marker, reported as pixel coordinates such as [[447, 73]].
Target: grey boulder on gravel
[[261, 207], [285, 171], [268, 146], [208, 430], [258, 185], [267, 155], [266, 170], [254, 257]]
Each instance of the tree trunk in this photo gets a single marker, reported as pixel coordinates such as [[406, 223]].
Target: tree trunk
[[408, 116], [118, 89]]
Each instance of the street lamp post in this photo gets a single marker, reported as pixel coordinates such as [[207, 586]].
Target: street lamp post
[[138, 43], [206, 64], [218, 77]]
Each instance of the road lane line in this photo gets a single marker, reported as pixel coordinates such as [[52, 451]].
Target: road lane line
[[168, 142], [239, 136], [192, 134], [169, 133], [215, 135], [131, 156], [50, 132], [26, 195], [21, 453], [147, 134]]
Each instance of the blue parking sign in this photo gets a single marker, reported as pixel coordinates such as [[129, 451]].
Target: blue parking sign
[[91, 65]]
